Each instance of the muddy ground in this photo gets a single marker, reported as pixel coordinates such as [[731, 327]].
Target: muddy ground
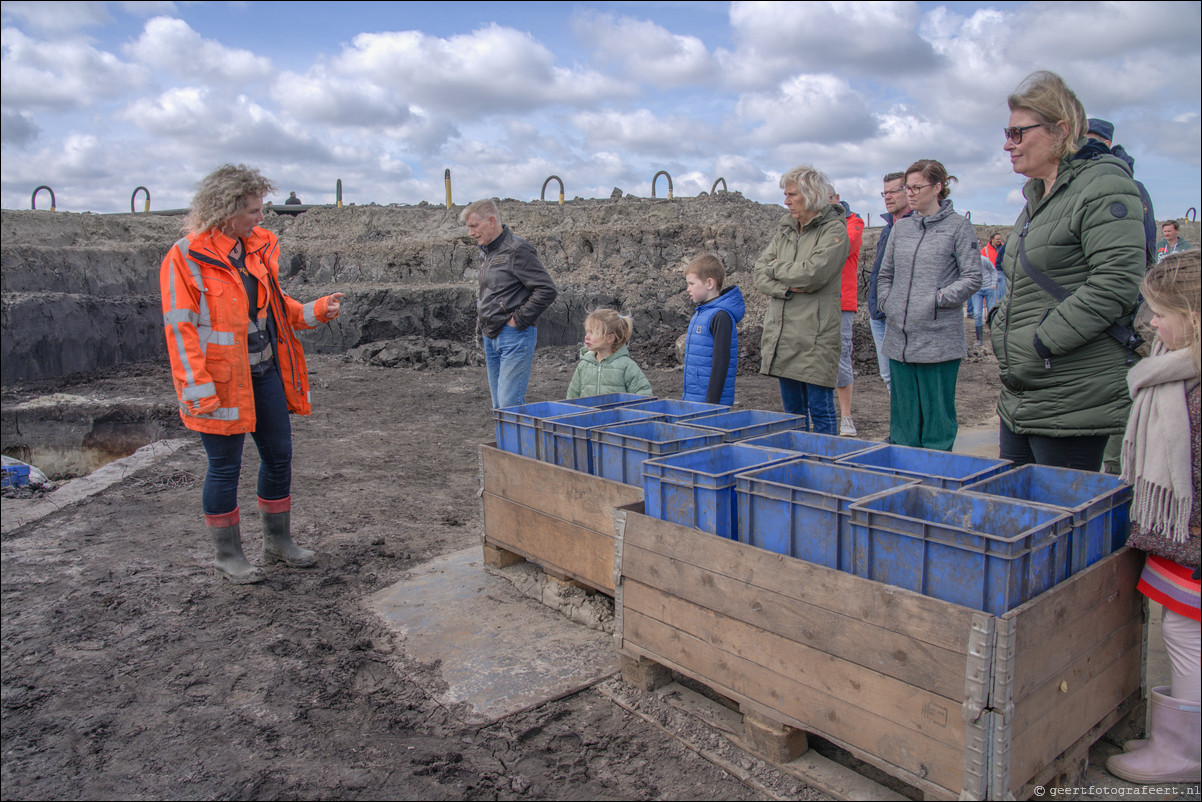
[[131, 672]]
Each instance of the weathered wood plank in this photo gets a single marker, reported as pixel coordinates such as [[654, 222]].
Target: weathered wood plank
[[1051, 734], [1079, 612], [823, 675], [897, 655], [896, 748], [572, 496], [573, 550], [885, 606], [1046, 698]]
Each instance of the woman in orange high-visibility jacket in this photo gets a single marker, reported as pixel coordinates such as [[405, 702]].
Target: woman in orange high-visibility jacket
[[236, 364]]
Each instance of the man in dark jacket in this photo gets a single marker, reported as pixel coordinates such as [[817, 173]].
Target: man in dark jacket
[[897, 206], [515, 289], [1102, 132]]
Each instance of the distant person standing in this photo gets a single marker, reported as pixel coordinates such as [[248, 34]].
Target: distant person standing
[[1102, 132], [515, 289], [292, 200], [1172, 242], [847, 306], [897, 206]]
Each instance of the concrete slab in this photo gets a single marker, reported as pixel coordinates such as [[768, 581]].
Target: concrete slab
[[497, 650]]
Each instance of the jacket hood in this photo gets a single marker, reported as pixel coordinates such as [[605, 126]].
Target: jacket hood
[[589, 356], [829, 210], [946, 210], [730, 301]]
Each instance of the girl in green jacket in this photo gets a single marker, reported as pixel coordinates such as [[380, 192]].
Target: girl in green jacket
[[605, 364]]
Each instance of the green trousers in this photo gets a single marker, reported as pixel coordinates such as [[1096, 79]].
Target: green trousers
[[922, 404]]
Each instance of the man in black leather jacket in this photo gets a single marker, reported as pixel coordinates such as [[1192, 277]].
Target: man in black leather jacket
[[515, 289]]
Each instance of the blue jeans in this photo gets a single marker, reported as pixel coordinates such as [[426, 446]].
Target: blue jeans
[[273, 436], [813, 402], [980, 301], [878, 337], [509, 358]]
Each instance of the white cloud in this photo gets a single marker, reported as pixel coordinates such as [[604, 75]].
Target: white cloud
[[491, 70], [19, 128], [222, 126], [778, 39], [645, 51], [171, 45], [38, 74], [815, 108], [58, 16], [645, 132]]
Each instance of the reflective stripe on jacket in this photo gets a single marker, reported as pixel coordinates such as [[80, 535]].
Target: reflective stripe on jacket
[[206, 321]]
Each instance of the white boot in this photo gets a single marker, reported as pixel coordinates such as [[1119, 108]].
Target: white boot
[[1171, 752]]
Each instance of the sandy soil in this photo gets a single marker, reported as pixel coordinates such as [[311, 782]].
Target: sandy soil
[[130, 671]]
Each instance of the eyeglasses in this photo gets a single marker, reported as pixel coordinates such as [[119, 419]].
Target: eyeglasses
[[889, 192], [912, 189], [1015, 133]]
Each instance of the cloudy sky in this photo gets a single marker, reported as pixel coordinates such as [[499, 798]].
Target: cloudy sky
[[99, 98]]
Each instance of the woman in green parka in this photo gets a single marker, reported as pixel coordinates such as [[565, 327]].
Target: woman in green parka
[[801, 271], [1064, 389]]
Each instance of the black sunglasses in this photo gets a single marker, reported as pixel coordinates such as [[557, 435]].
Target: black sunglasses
[[1015, 133]]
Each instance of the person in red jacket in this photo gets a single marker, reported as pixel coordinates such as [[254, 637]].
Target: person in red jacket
[[847, 297], [236, 364]]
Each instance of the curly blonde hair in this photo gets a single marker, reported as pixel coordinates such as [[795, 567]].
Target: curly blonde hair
[[220, 195]]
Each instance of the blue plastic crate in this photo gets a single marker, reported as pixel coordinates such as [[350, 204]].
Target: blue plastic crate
[[567, 442], [800, 508], [517, 427], [1099, 503], [619, 451], [674, 410], [15, 475], [811, 445], [983, 552], [609, 400], [941, 469], [697, 488], [744, 424]]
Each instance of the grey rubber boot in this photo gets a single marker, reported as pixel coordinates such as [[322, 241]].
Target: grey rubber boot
[[277, 541], [1172, 754], [230, 562]]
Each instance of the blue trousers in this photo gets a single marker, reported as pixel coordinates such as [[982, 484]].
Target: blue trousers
[[813, 402], [509, 357], [273, 437]]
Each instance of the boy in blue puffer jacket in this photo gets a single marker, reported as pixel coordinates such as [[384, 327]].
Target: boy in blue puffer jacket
[[711, 350]]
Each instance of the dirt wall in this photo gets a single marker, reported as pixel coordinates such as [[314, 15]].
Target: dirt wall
[[79, 292]]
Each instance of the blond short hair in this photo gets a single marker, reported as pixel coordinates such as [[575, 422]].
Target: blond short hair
[[705, 267], [484, 209], [1047, 97], [812, 185]]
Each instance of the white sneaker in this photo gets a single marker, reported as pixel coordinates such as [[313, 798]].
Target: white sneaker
[[846, 427]]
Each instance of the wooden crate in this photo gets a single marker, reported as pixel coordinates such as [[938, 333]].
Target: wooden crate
[[557, 518], [955, 702]]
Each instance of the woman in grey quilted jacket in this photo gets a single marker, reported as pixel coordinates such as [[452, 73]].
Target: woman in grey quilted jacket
[[932, 265]]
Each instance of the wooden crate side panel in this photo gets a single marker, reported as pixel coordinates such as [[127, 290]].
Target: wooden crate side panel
[[548, 541], [1124, 644], [912, 615], [931, 668], [826, 679], [1052, 629], [572, 496], [895, 746], [1039, 745]]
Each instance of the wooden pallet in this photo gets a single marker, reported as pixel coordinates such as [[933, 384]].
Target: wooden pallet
[[954, 702], [560, 519]]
